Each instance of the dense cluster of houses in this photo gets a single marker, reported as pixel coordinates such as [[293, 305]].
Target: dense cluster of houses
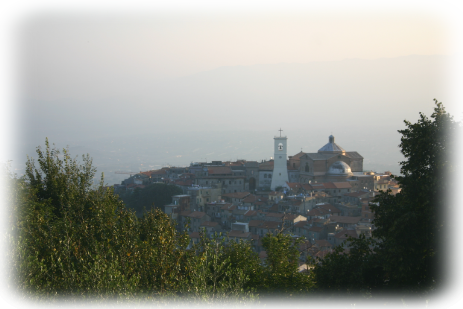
[[325, 197], [226, 197]]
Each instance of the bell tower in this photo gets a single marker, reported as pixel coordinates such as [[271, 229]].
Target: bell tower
[[280, 169]]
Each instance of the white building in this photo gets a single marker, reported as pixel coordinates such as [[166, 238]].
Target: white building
[[280, 169]]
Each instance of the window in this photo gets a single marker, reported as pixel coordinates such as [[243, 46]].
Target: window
[[229, 182], [307, 169], [265, 175]]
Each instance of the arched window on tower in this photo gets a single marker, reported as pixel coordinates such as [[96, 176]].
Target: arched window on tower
[[307, 169]]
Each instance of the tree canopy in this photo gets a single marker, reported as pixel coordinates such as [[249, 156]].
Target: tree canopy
[[410, 228]]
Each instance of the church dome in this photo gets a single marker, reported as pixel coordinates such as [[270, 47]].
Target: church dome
[[331, 147], [339, 168]]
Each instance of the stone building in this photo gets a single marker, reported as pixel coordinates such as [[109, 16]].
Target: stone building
[[330, 164]]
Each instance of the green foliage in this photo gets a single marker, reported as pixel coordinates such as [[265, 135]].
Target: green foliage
[[280, 274], [410, 227], [72, 240], [154, 195], [221, 269], [60, 183], [354, 278], [22, 275]]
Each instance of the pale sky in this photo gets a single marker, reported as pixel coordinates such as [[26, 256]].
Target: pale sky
[[61, 45]]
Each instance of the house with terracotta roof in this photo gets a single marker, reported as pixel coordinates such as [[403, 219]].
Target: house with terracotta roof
[[341, 237], [275, 196], [337, 189], [323, 244], [235, 197], [223, 177], [214, 210], [271, 227], [367, 214], [226, 214], [354, 197], [239, 235], [253, 200], [254, 225], [345, 221], [194, 238], [323, 210], [196, 218], [210, 227], [315, 233], [274, 216]]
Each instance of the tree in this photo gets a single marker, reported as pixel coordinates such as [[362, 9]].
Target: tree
[[156, 194], [215, 282], [411, 226], [280, 274]]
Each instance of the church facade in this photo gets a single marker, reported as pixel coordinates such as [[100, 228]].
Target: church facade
[[330, 164]]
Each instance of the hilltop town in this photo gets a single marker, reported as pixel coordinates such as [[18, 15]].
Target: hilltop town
[[323, 196]]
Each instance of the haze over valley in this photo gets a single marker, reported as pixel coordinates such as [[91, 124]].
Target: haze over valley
[[139, 92]]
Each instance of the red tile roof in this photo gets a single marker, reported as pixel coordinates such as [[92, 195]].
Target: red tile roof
[[255, 223], [297, 155], [315, 229], [251, 199], [228, 206], [345, 219], [250, 213], [329, 207]]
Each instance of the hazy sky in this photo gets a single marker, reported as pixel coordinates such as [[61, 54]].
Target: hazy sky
[[83, 70], [85, 52]]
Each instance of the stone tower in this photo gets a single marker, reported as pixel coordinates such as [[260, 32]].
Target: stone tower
[[280, 169]]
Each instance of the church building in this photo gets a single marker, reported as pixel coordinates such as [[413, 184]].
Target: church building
[[330, 164], [280, 169]]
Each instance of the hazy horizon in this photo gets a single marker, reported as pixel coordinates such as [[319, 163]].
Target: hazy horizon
[[219, 86]]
